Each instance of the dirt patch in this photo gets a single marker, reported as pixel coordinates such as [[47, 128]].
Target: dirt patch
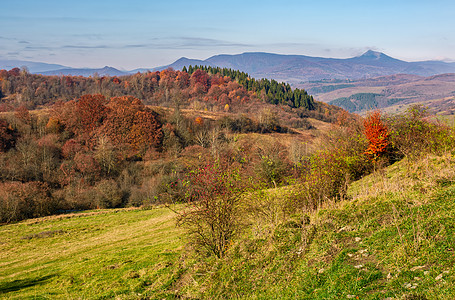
[[43, 234]]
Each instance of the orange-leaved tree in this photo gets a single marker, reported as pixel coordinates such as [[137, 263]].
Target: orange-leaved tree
[[132, 125], [377, 134]]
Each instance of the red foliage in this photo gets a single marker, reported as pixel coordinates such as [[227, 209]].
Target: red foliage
[[120, 120], [14, 72], [199, 121], [146, 130], [4, 107], [23, 114], [87, 165], [212, 217], [130, 123], [167, 78], [377, 133], [70, 148], [83, 118], [219, 80], [3, 74], [91, 111], [202, 78], [182, 79]]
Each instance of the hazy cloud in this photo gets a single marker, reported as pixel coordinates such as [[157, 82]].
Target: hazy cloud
[[86, 47], [38, 48], [7, 38], [170, 43], [88, 36], [206, 42], [138, 46]]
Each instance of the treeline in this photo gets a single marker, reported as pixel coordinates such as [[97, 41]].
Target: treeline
[[269, 90], [203, 87]]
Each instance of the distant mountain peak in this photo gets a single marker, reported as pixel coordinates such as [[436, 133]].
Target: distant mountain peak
[[183, 58], [371, 54]]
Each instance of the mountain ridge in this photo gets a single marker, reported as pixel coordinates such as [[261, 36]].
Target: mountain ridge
[[105, 71], [292, 68], [300, 68]]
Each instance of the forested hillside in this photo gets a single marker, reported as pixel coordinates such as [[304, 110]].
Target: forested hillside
[[211, 86], [257, 219], [127, 141]]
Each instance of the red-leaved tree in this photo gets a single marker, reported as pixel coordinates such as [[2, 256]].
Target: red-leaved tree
[[131, 125], [377, 134]]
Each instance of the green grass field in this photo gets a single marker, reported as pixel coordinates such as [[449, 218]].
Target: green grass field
[[393, 238], [96, 255]]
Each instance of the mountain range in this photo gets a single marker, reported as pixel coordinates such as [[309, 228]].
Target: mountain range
[[294, 69]]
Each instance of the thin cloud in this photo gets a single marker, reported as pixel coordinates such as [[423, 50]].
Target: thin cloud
[[138, 46], [7, 38], [206, 42], [86, 47], [38, 48], [89, 36]]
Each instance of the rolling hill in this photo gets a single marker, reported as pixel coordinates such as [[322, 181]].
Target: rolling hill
[[106, 71]]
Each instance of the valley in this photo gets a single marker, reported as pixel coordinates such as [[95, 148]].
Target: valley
[[392, 93]]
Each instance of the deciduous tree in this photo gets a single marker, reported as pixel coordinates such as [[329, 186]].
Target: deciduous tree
[[377, 133]]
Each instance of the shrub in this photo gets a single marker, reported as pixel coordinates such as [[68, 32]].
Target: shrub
[[108, 194], [272, 167], [326, 177], [212, 216], [20, 201], [326, 173], [414, 135]]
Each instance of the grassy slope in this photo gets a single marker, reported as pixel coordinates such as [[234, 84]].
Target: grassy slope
[[394, 238], [96, 255]]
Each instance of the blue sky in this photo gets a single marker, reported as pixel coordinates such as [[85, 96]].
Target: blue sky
[[139, 33]]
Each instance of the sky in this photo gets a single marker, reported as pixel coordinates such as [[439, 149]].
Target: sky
[[133, 34]]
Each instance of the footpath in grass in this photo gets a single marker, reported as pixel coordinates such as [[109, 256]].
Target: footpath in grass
[[127, 253]]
